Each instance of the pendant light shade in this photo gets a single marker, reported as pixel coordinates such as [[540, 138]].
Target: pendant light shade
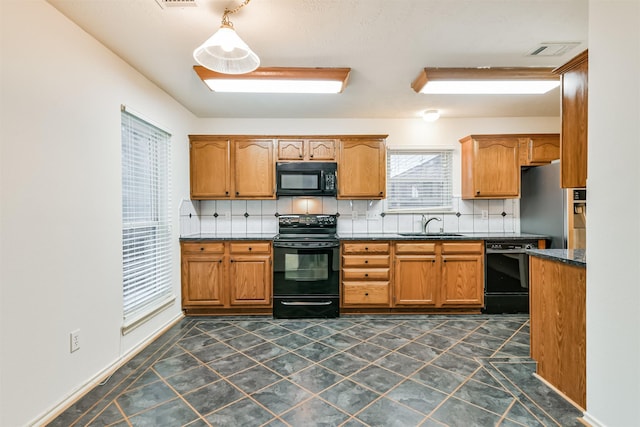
[[225, 52]]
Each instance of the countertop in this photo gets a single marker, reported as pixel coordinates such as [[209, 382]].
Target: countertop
[[370, 236], [566, 256]]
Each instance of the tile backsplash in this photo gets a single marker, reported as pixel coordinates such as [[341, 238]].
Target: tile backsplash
[[356, 216]]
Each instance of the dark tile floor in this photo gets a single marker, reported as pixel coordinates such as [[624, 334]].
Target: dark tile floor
[[351, 371]]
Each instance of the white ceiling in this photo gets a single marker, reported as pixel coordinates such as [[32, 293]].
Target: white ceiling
[[385, 42]]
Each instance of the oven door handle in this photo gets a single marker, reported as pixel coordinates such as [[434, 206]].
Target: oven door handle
[[505, 251], [291, 245], [306, 303]]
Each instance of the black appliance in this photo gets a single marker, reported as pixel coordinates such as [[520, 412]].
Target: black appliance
[[306, 179], [306, 267], [506, 279]]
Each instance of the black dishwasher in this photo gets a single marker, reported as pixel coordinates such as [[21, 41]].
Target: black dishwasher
[[506, 279]]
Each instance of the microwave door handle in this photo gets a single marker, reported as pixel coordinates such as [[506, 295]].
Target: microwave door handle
[[323, 182]]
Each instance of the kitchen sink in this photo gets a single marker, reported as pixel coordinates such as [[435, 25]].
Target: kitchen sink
[[418, 233]]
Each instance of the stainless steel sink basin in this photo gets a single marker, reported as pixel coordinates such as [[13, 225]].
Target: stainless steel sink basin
[[420, 234]]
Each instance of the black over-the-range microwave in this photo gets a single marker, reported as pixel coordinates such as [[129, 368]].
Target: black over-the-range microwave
[[306, 179]]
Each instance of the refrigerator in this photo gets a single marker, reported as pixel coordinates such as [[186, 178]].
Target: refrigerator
[[543, 204]]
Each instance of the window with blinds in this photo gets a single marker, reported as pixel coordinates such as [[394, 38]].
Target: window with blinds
[[419, 180], [146, 221]]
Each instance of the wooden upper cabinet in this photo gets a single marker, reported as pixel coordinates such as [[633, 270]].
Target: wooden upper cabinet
[[573, 142], [490, 167], [362, 169], [221, 168], [254, 169], [307, 149], [539, 149], [210, 169]]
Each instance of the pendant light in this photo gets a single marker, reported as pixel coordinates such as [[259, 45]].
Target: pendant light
[[225, 52]]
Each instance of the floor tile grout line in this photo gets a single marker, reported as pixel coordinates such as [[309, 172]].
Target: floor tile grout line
[[528, 397], [169, 341]]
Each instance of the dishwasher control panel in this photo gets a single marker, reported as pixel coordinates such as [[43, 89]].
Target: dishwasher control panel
[[512, 245]]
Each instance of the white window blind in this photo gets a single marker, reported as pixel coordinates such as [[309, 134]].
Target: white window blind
[[146, 220], [419, 180]]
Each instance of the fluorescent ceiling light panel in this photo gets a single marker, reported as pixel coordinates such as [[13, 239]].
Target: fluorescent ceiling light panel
[[474, 81], [278, 80]]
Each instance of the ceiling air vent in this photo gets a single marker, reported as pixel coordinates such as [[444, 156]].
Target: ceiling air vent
[[176, 3], [552, 49]]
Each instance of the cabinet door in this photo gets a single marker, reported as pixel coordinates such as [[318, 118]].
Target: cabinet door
[[496, 168], [250, 280], [573, 147], [322, 149], [202, 280], [415, 280], [462, 280], [209, 169], [361, 169], [290, 149], [254, 168], [543, 149]]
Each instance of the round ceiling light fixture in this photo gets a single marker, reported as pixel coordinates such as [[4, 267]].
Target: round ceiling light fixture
[[431, 115]]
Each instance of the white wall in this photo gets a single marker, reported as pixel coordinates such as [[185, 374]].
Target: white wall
[[60, 254], [613, 253]]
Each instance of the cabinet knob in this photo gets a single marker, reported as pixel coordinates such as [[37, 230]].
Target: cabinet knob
[[366, 294], [380, 193], [250, 248], [366, 274], [219, 260], [311, 155], [237, 193], [202, 249], [366, 248], [366, 261], [230, 260], [477, 193], [226, 193]]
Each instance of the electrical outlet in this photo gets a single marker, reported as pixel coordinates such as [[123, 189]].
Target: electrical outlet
[[485, 214], [373, 216], [74, 338]]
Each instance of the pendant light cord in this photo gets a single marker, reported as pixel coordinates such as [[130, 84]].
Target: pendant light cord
[[227, 12]]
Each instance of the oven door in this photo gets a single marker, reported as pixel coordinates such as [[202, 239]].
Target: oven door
[[305, 270]]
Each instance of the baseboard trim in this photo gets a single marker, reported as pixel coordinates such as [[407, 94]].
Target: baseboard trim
[[590, 420], [53, 412]]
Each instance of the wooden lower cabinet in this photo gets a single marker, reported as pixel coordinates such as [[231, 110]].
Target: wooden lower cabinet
[[462, 280], [415, 274], [365, 274], [558, 325], [407, 275], [226, 277]]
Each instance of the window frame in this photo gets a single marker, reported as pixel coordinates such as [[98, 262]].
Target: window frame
[[147, 248], [420, 150]]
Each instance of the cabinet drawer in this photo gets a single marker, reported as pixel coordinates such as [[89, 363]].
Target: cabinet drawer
[[412, 248], [250, 247], [366, 293], [365, 261], [203, 248], [365, 274], [462, 248], [354, 248]]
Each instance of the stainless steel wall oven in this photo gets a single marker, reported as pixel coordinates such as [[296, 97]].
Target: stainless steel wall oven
[[306, 267]]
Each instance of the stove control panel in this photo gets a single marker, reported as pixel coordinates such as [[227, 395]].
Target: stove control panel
[[306, 221]]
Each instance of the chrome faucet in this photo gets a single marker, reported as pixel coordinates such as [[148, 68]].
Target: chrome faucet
[[425, 222]]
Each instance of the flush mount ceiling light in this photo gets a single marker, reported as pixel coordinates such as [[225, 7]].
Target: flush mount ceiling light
[[431, 115], [225, 52], [278, 80], [485, 81]]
